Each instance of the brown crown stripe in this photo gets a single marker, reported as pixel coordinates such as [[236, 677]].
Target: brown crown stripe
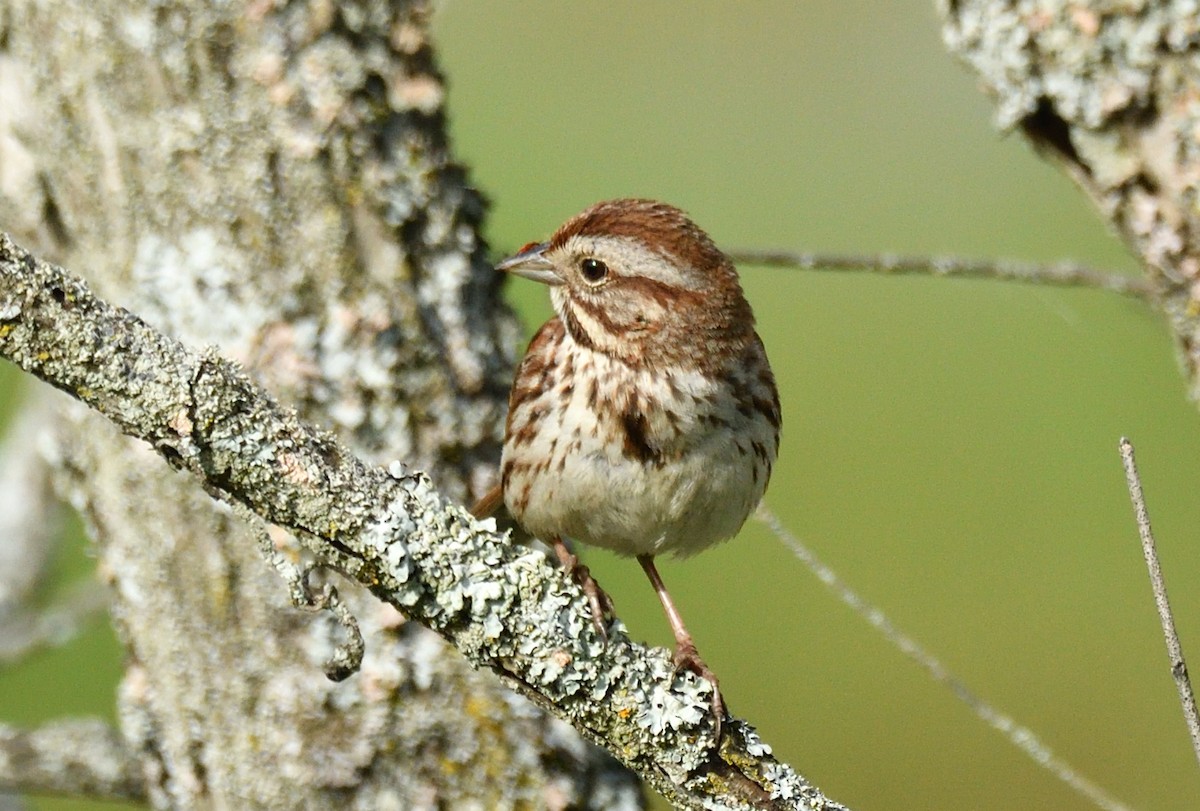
[[657, 224]]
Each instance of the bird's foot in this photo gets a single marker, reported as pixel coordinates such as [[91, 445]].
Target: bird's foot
[[598, 599], [688, 658]]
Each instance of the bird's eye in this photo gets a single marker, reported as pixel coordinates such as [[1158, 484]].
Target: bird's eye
[[593, 270]]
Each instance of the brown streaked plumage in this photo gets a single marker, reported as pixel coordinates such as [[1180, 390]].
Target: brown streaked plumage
[[644, 417]]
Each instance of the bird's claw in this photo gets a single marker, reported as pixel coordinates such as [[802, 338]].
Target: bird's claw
[[598, 600], [686, 657]]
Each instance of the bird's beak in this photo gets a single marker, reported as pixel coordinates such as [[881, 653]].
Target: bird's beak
[[532, 263]]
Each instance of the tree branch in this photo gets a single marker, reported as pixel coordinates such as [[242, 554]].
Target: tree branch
[[503, 607], [84, 758], [276, 179]]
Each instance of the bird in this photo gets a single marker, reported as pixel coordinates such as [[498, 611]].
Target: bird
[[644, 417]]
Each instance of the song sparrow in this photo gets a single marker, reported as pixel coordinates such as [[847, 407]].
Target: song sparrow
[[644, 417]]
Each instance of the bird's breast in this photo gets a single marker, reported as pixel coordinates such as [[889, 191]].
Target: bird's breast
[[638, 460]]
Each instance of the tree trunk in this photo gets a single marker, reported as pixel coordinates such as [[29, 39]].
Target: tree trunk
[[275, 180]]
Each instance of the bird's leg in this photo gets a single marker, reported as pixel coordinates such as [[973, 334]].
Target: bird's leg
[[598, 599], [686, 655]]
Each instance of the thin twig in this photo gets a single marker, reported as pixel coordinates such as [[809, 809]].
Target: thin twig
[[1174, 650], [27, 630], [1063, 274], [29, 512], [1019, 736]]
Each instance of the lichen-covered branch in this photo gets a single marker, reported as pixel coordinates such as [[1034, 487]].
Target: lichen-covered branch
[[79, 758], [1111, 92], [503, 606]]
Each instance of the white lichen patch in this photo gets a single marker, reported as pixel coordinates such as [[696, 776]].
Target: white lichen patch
[[488, 599], [548, 667], [136, 28], [236, 442], [674, 708], [604, 681], [783, 782], [194, 287], [754, 744], [10, 308], [385, 538]]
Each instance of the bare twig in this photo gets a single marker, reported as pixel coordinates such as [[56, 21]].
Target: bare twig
[[1019, 736], [80, 758], [1174, 650], [1062, 274]]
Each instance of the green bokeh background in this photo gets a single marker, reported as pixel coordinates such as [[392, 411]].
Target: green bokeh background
[[949, 446]]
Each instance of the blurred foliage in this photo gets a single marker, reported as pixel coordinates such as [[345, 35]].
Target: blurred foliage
[[950, 447]]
